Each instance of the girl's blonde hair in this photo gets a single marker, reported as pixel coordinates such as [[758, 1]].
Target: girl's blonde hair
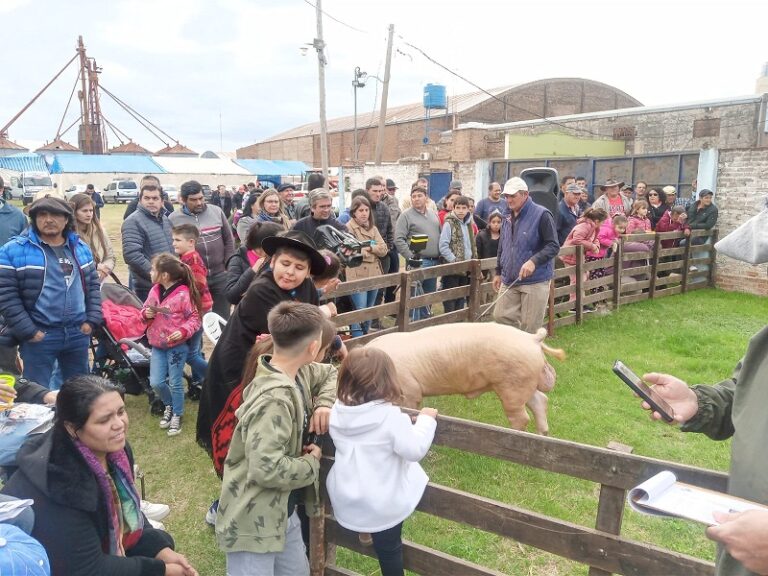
[[179, 272], [619, 219], [368, 374], [637, 206], [93, 233]]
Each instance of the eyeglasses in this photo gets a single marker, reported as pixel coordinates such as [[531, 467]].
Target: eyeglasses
[[653, 194]]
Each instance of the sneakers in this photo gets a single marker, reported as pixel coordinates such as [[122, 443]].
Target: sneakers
[[155, 511], [175, 426], [210, 516], [165, 419], [156, 525]]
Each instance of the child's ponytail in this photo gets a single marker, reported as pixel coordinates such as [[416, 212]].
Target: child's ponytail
[[179, 272]]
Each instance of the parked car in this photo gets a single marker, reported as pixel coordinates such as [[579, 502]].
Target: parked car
[[74, 189], [121, 191], [173, 193], [207, 192]]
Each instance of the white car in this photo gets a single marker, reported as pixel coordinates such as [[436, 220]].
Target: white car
[[173, 193], [121, 191], [74, 189]]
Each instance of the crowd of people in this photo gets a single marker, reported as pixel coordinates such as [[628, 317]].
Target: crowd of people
[[267, 388]]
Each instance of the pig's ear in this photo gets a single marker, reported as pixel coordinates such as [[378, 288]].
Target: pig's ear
[[547, 378]]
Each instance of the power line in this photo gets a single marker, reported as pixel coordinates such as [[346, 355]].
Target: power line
[[336, 19]]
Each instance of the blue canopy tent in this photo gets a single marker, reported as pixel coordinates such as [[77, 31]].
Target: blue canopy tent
[[273, 170]]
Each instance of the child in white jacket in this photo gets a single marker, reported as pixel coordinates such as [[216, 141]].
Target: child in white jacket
[[376, 482]]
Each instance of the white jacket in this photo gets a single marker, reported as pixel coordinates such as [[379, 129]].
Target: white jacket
[[376, 481]]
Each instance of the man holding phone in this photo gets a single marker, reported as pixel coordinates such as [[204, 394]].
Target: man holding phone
[[733, 408]]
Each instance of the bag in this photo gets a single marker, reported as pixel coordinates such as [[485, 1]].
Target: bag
[[19, 422], [749, 242]]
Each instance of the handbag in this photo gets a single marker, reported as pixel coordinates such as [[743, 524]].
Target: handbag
[[749, 242]]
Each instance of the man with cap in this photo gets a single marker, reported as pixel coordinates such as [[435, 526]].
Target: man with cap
[[526, 259], [492, 203], [612, 201], [12, 220], [216, 243], [628, 192], [287, 192], [570, 210], [702, 215], [49, 293]]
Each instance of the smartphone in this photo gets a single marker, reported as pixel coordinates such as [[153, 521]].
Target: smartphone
[[640, 388]]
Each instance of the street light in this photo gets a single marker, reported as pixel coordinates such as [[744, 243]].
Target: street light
[[358, 82]]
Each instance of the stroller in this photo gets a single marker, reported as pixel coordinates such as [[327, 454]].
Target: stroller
[[121, 350]]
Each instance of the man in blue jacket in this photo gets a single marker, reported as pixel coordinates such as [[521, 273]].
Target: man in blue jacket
[[525, 265], [12, 220], [49, 293]]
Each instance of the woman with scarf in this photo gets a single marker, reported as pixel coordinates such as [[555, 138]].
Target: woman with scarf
[[90, 230], [266, 207], [80, 476]]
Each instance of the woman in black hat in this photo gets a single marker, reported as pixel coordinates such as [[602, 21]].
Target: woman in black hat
[[293, 258]]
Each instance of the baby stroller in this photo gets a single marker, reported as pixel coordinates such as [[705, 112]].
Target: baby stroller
[[122, 352]]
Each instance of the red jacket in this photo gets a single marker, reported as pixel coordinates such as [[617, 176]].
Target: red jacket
[[200, 273], [666, 224]]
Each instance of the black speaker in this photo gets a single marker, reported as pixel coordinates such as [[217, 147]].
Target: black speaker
[[543, 186]]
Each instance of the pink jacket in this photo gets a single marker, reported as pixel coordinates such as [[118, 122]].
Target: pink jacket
[[180, 315], [607, 236], [583, 234], [637, 225]]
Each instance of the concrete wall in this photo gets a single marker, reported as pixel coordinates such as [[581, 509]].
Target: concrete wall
[[742, 190]]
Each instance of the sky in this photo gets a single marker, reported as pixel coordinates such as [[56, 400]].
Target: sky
[[222, 74]]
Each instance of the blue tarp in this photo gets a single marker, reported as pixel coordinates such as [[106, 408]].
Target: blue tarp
[[25, 162], [273, 167], [125, 163]]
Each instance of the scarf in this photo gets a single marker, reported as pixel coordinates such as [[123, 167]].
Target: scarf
[[126, 522], [456, 243]]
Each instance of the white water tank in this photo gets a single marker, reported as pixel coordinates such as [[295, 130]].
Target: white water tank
[[762, 83]]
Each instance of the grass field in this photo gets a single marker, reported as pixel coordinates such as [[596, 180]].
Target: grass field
[[698, 337]]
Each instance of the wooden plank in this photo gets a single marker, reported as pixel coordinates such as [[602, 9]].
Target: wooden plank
[[564, 272], [610, 511], [551, 309], [475, 292], [363, 340], [605, 296], [563, 307], [604, 282], [674, 265], [403, 312], [564, 290], [670, 291], [579, 284], [357, 316], [565, 320], [455, 316], [417, 558], [632, 298], [333, 570], [564, 457], [365, 284], [654, 267], [632, 285], [317, 546], [441, 270], [686, 264], [588, 546]]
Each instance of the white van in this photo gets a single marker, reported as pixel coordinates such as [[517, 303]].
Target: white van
[[36, 185]]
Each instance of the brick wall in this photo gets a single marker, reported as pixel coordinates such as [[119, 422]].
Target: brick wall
[[742, 189]]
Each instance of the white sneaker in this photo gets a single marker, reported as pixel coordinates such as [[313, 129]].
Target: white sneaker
[[156, 525], [174, 428], [155, 511]]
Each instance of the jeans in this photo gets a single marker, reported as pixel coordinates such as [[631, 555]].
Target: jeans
[[195, 357], [68, 346], [454, 281], [389, 548], [361, 301], [394, 266], [166, 375], [427, 286], [217, 286], [292, 561]]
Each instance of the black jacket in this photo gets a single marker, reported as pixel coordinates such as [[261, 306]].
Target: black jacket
[[239, 276], [71, 517]]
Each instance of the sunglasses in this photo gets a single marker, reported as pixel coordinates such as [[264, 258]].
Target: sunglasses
[[653, 194]]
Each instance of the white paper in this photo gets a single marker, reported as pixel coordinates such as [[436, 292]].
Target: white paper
[[663, 495]]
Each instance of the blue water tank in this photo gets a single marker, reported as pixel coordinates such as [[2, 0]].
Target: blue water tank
[[435, 96]]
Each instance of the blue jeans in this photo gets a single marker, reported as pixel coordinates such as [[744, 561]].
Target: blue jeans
[[361, 301], [195, 357], [68, 346], [166, 375], [389, 548], [427, 286]]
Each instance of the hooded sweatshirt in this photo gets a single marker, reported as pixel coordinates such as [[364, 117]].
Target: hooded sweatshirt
[[376, 482]]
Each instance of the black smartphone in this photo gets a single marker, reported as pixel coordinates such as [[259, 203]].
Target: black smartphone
[[645, 392]]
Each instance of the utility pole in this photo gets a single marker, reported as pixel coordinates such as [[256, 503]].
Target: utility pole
[[384, 92], [358, 82], [320, 47]]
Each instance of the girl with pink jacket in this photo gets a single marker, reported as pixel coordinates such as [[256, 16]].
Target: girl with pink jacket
[[172, 311], [584, 234]]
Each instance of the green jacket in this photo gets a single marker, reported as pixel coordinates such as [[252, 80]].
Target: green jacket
[[736, 408], [265, 461], [704, 219]]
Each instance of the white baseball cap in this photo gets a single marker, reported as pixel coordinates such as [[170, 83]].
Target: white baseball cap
[[514, 185]]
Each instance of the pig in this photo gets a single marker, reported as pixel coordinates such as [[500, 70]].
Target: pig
[[474, 358]]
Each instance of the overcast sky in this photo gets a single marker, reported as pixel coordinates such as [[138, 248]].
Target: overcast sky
[[186, 64]]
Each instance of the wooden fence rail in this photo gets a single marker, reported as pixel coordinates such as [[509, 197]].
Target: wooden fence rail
[[602, 548], [627, 277]]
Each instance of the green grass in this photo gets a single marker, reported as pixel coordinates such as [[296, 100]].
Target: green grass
[[698, 337]]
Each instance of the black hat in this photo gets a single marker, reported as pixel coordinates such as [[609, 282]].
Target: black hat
[[391, 184], [706, 192], [284, 187], [610, 184], [50, 204], [297, 240]]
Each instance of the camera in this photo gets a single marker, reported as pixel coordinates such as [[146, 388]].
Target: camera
[[309, 438], [416, 244], [346, 247]]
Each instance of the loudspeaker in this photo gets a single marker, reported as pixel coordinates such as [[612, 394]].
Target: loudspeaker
[[543, 187]]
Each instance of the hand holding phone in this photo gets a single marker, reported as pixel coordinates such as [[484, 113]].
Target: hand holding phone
[[645, 392]]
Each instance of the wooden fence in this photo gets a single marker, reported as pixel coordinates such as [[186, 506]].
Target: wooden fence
[[630, 277], [602, 547]]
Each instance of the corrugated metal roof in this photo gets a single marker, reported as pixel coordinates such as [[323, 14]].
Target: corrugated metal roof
[[184, 165], [407, 113], [273, 167], [124, 163], [25, 162]]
